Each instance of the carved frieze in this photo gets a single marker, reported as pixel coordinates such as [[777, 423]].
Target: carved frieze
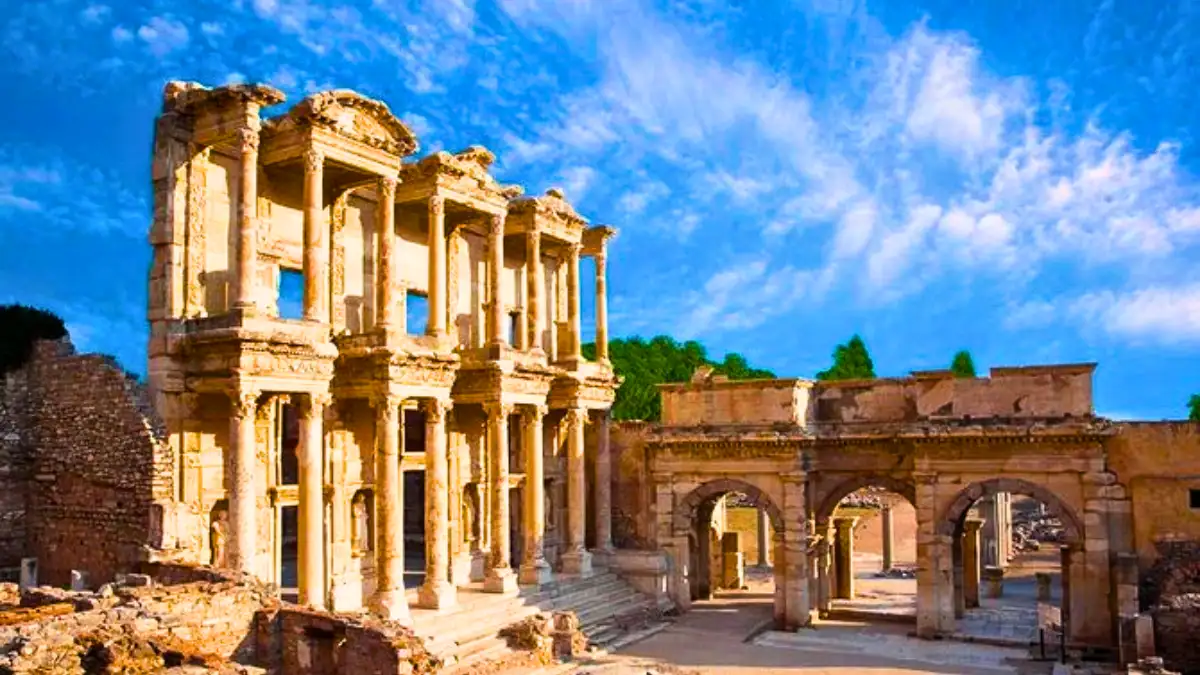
[[354, 116], [337, 262]]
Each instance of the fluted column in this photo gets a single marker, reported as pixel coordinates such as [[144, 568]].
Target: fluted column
[[537, 284], [604, 486], [385, 219], [436, 592], [573, 312], [495, 279], [315, 236], [243, 536], [577, 560], [499, 577], [601, 306], [534, 568], [247, 218], [436, 324], [389, 601], [311, 561]]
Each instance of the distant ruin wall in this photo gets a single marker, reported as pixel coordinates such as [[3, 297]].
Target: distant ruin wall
[[632, 490], [84, 453]]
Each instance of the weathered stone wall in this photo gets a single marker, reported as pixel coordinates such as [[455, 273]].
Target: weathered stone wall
[[716, 401], [84, 451], [297, 641], [15, 465], [1170, 590], [632, 489]]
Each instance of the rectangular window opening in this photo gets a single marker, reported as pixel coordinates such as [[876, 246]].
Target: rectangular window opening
[[416, 313], [414, 432], [1194, 499], [291, 293], [289, 445]]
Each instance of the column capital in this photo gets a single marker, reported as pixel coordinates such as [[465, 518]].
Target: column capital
[[314, 160], [577, 415], [574, 250], [310, 405], [971, 525], [437, 205], [532, 415], [386, 185], [496, 224], [435, 410], [386, 403], [497, 409], [844, 522], [247, 140], [533, 236], [245, 401]]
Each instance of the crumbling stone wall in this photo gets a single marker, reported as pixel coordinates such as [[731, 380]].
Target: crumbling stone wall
[[297, 641], [1170, 591], [15, 466], [84, 454], [632, 489]]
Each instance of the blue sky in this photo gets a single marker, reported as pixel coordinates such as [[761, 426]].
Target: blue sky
[[1021, 179]]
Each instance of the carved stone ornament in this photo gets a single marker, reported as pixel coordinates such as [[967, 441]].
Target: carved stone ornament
[[496, 408], [386, 187], [355, 116], [314, 160], [437, 206], [576, 416], [496, 225], [533, 415], [247, 140], [195, 183], [435, 411], [245, 403]]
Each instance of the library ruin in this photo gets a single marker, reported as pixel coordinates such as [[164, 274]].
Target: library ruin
[[417, 433]]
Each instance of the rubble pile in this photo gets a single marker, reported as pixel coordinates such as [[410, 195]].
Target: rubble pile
[[1031, 527]]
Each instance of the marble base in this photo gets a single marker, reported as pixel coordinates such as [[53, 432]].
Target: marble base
[[437, 596], [577, 563], [393, 606], [535, 574], [500, 580]]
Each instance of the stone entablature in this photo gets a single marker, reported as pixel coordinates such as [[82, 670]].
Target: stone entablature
[[1017, 394]]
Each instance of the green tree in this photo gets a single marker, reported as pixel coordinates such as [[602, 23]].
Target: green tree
[[851, 361], [645, 364], [20, 327], [1194, 408], [963, 365]]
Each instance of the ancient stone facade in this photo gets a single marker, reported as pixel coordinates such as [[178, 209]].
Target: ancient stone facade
[[86, 475], [340, 423], [796, 448]]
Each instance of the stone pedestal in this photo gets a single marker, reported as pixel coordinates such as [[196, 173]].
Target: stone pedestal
[[844, 557], [1043, 586], [29, 574], [1143, 635], [577, 563], [993, 579], [764, 527], [732, 569]]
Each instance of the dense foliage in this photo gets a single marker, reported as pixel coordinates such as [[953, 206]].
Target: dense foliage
[[646, 363], [851, 361], [1194, 408], [20, 327], [963, 365]]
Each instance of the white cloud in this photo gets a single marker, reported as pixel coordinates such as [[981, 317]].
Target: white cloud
[[121, 35], [645, 192], [94, 14], [163, 35], [746, 294], [1160, 314], [576, 181], [419, 124]]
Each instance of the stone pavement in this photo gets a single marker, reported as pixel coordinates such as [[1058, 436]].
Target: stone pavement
[[717, 636]]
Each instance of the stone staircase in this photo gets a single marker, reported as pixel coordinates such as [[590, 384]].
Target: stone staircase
[[608, 608]]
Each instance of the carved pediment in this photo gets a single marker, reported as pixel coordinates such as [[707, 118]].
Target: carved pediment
[[473, 164], [355, 116], [553, 204]]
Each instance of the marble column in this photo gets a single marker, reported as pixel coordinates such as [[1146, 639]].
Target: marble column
[[577, 560], [436, 592], [536, 286], [311, 559], [243, 493], [389, 601], [315, 238], [970, 561], [885, 521], [603, 505], [436, 325], [573, 302], [824, 574], [534, 568], [496, 280], [385, 223], [601, 306], [844, 556], [247, 219], [763, 528], [499, 577]]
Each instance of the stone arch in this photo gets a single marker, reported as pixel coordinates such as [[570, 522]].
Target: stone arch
[[950, 523], [685, 512], [904, 488]]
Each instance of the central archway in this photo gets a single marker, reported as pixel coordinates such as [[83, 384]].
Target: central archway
[[692, 517]]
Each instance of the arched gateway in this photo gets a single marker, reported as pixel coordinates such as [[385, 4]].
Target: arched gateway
[[797, 449]]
